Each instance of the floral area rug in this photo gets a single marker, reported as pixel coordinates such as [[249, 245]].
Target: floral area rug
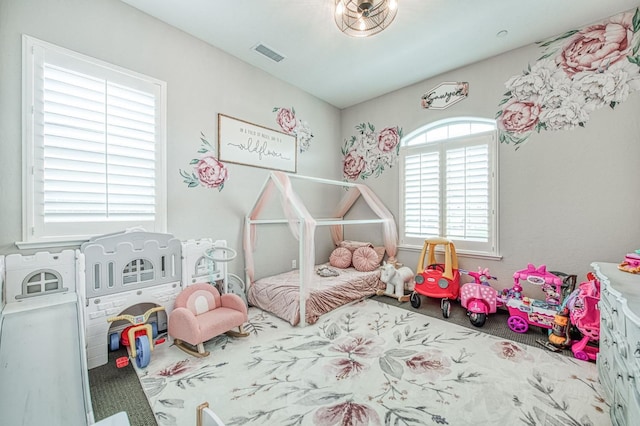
[[369, 363]]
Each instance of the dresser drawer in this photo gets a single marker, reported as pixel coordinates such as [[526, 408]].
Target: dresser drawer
[[619, 407], [605, 364], [606, 341], [633, 339], [615, 342], [606, 374], [633, 406], [611, 308], [606, 316], [619, 358]]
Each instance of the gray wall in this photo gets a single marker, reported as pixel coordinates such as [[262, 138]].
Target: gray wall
[[567, 198], [202, 81]]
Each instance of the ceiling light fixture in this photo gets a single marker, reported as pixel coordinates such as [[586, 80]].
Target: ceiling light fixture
[[364, 18]]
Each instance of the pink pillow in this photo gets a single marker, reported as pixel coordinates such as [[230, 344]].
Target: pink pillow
[[353, 245], [365, 259], [380, 250], [340, 258]]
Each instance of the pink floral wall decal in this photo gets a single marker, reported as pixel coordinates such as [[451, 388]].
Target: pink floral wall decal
[[580, 71], [291, 125], [369, 152], [208, 171]]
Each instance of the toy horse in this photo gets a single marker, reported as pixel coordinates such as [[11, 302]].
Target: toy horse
[[396, 280]]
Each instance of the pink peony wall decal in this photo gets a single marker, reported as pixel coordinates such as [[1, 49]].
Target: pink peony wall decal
[[580, 71], [208, 171], [369, 152], [291, 125]]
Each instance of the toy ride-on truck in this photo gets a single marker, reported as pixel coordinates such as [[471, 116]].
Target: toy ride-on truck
[[433, 279]]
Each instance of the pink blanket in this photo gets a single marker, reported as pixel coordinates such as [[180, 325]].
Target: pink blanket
[[280, 294]]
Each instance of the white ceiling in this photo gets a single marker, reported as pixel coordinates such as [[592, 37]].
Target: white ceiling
[[427, 38]]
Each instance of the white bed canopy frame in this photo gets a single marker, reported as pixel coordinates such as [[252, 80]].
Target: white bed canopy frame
[[302, 224]]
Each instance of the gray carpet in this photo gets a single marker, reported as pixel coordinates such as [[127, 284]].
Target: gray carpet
[[118, 389], [496, 324], [114, 390]]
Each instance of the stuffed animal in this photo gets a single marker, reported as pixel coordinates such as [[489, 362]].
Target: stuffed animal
[[631, 263], [397, 280]]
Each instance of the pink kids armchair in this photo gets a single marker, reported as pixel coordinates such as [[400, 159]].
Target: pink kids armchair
[[201, 313]]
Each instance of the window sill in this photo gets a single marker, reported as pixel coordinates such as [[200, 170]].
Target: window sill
[[459, 253], [38, 245]]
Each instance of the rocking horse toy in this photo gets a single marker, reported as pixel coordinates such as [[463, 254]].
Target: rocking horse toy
[[397, 280]]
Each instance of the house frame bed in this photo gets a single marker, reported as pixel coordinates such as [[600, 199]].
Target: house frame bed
[[303, 225]]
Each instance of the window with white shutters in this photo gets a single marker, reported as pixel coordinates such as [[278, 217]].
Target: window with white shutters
[[449, 185], [95, 142]]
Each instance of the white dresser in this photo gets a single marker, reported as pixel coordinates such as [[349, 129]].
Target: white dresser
[[619, 357]]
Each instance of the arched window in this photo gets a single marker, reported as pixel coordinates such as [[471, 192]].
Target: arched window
[[44, 281], [448, 176]]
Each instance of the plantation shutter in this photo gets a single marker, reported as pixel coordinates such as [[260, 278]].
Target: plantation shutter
[[467, 189], [447, 192], [98, 147], [422, 195]]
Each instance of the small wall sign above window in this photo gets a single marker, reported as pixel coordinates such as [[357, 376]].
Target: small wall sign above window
[[444, 95]]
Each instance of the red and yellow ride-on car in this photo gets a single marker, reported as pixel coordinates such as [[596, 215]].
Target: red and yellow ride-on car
[[435, 279]]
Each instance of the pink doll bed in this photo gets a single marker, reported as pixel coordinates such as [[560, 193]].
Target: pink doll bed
[[280, 294]]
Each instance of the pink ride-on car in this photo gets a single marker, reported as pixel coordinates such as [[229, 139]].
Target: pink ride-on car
[[478, 297], [437, 279]]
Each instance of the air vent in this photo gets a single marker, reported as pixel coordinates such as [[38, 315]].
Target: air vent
[[268, 52]]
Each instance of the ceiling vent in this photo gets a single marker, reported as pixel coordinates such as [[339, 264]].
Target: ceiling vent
[[268, 52]]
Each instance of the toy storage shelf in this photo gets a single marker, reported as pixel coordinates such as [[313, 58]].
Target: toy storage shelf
[[619, 357]]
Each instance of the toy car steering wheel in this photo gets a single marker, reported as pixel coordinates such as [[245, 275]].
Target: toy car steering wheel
[[436, 266]]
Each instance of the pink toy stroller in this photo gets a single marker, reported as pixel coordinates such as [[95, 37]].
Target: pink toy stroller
[[585, 316]]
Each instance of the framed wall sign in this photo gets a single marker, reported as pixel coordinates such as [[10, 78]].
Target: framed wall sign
[[245, 143], [444, 95]]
